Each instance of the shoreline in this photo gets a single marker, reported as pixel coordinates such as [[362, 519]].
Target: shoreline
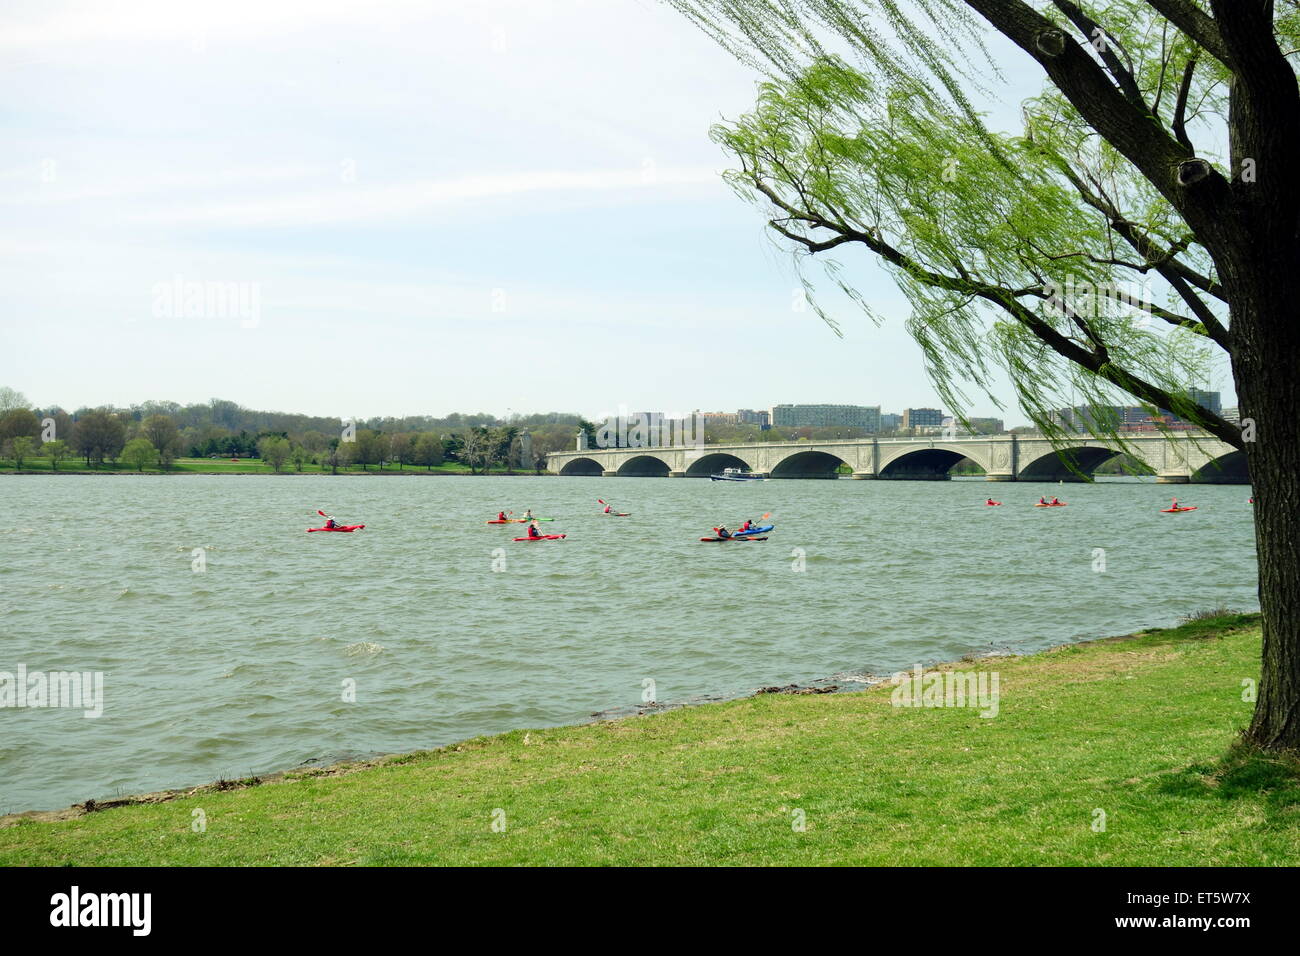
[[310, 768], [283, 474], [834, 685], [1143, 728]]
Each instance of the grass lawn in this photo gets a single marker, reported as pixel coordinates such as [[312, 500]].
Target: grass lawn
[[1142, 729]]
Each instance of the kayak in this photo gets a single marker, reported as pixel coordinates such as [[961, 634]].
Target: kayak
[[517, 520], [1041, 505], [346, 527], [992, 504], [618, 514], [1174, 511], [543, 537], [763, 530], [743, 537]]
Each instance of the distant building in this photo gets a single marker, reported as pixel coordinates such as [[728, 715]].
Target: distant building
[[1099, 419], [866, 417], [922, 418], [1093, 419], [750, 416], [1210, 400], [720, 418], [890, 422], [649, 429], [1232, 414], [987, 426]]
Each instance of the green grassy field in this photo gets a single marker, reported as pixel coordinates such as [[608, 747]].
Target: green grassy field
[[1143, 730], [224, 466]]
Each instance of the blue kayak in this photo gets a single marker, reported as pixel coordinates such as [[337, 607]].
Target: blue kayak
[[761, 530]]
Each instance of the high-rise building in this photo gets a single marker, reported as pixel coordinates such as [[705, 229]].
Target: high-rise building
[[649, 429], [1210, 400], [720, 418], [922, 418], [866, 417]]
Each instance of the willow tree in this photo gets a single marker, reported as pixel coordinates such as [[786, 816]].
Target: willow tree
[[1137, 229]]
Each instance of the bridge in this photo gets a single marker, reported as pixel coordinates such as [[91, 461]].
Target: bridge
[[1185, 458]]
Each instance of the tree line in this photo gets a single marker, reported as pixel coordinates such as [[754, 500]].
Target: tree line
[[155, 434]]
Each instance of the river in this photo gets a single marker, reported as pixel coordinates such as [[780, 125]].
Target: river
[[447, 629]]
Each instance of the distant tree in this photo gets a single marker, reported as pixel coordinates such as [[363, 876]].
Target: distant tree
[[20, 449], [11, 399], [98, 434], [502, 444], [314, 442], [341, 456], [428, 450], [19, 421], [56, 451], [477, 449], [139, 452], [401, 449], [274, 451], [162, 433], [367, 449], [299, 456]]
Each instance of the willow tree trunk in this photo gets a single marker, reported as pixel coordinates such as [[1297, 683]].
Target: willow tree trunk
[[1266, 364], [1260, 269]]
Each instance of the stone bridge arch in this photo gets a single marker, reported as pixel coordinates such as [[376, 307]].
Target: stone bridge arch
[[582, 467], [808, 463], [1055, 465], [1227, 469], [644, 466], [712, 462], [932, 463]]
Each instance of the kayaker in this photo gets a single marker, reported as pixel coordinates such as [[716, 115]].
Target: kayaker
[[990, 501], [501, 516], [1055, 500], [723, 532], [331, 523], [533, 532], [608, 509], [1042, 500], [749, 523], [528, 515]]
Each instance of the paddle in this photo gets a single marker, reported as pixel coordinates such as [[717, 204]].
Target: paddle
[[764, 518]]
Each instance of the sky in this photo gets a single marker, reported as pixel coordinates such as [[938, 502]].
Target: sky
[[509, 206]]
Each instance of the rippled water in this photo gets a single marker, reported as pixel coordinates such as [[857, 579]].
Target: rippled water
[[240, 669]]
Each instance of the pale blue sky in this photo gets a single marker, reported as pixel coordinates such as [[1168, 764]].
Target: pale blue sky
[[498, 205]]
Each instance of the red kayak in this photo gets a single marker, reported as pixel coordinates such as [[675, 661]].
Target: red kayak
[[992, 503], [344, 527], [743, 537], [509, 521], [542, 537], [1174, 511]]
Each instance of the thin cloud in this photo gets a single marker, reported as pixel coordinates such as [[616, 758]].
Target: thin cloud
[[350, 202]]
